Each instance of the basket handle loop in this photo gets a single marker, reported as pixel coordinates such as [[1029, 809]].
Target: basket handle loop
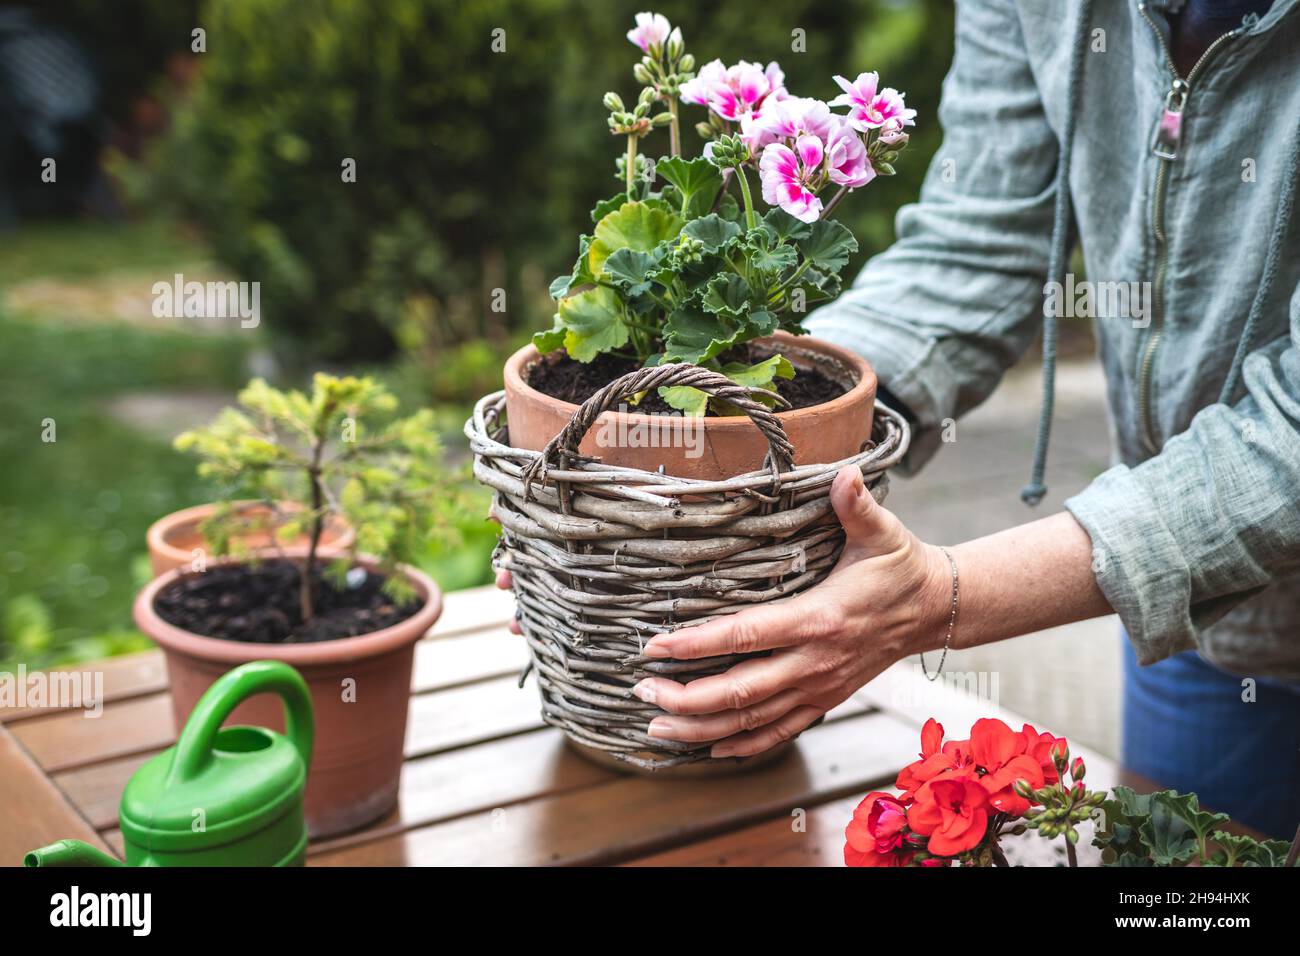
[[564, 446]]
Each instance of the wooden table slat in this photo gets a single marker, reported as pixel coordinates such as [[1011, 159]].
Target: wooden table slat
[[474, 609], [63, 740], [457, 650], [123, 677], [632, 816], [771, 843], [35, 812]]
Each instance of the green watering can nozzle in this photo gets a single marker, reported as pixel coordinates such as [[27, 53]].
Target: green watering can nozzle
[[69, 853]]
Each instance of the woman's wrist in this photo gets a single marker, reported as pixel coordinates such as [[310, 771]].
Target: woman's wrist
[[1026, 579], [934, 603]]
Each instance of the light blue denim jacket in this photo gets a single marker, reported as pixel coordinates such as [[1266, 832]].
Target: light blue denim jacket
[[1196, 529]]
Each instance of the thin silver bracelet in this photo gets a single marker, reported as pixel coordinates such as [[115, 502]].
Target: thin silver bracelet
[[952, 619]]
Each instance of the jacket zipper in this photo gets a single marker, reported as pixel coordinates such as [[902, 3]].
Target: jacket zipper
[[1166, 145]]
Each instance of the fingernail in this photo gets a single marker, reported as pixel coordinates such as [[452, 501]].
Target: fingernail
[[654, 649], [662, 727], [722, 750], [645, 691]]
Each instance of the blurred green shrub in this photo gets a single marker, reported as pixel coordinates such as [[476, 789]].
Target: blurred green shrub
[[475, 170]]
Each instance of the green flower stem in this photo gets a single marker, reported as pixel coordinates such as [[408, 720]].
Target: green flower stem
[[794, 275], [674, 129], [835, 201], [630, 171], [751, 220]]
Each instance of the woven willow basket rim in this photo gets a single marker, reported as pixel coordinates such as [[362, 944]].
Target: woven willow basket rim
[[606, 556]]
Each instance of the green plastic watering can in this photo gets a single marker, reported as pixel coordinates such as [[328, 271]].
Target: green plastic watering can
[[222, 796]]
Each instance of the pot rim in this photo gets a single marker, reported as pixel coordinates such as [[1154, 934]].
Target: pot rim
[[866, 383], [156, 536], [376, 643]]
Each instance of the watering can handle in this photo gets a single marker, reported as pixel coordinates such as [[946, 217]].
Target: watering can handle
[[194, 748]]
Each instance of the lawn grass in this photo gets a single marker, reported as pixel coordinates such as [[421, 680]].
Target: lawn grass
[[74, 510]]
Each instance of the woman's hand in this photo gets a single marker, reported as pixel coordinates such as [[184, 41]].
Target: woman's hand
[[889, 596]]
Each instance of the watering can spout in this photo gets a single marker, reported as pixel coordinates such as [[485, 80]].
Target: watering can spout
[[70, 853]]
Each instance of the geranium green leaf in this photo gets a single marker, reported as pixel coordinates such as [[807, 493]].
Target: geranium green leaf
[[729, 209], [580, 275], [1167, 833], [1187, 806], [691, 335], [634, 225], [550, 339], [828, 245], [767, 254], [761, 374], [606, 206], [782, 226], [628, 268], [593, 322], [759, 323], [1121, 815], [1265, 853], [712, 230], [697, 180], [560, 286], [727, 294], [689, 401]]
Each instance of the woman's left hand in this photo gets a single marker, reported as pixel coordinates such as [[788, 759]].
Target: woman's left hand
[[888, 596]]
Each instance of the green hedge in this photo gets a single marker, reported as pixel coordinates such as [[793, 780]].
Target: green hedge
[[475, 170]]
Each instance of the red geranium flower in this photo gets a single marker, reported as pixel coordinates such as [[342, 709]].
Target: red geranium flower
[[953, 812], [993, 743], [936, 758], [1000, 783], [874, 837], [1005, 757]]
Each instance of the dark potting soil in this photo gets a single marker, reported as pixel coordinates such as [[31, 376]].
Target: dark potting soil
[[258, 604], [561, 377]]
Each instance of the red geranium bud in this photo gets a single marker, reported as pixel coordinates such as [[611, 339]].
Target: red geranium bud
[[1077, 769], [1060, 755]]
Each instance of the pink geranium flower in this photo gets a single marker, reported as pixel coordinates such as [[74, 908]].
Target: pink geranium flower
[[870, 107], [847, 163], [651, 30], [734, 92], [787, 119], [788, 177]]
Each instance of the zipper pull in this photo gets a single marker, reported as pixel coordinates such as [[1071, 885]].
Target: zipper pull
[[1169, 132]]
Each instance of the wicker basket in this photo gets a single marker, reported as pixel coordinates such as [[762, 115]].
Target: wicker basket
[[604, 557]]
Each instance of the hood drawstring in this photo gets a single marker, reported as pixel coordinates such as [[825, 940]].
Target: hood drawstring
[[1281, 224], [1058, 261]]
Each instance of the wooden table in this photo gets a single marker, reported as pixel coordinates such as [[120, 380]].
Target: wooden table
[[486, 782]]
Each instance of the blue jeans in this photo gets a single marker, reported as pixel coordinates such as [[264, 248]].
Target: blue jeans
[[1186, 727]]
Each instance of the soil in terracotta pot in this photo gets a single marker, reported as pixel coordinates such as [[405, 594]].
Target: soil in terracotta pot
[[561, 377], [259, 604]]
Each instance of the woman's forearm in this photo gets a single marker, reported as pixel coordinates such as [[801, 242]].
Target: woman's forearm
[[1024, 579]]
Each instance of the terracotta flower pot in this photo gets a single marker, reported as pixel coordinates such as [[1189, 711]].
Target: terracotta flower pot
[[723, 446], [174, 538], [360, 688]]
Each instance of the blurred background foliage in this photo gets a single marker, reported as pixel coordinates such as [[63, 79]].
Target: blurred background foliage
[[475, 171]]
